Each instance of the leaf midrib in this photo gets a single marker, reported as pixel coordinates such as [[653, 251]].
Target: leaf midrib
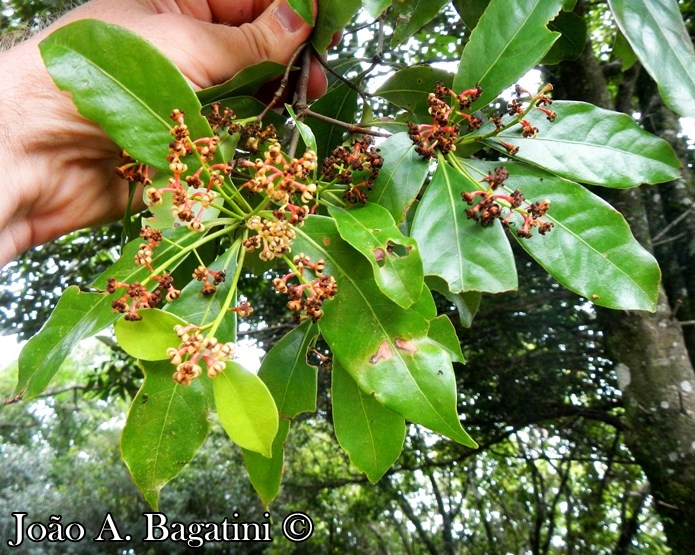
[[91, 63], [381, 327]]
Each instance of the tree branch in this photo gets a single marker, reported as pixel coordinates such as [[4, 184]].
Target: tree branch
[[351, 127]]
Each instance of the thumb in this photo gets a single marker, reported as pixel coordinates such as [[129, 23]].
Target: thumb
[[224, 51]]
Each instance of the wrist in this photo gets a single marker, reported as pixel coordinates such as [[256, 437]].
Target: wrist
[[16, 158], [57, 166]]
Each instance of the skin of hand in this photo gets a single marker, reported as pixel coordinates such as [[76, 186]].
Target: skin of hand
[[57, 167]]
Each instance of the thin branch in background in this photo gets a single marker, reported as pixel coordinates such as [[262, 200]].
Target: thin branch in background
[[283, 83], [324, 63], [52, 393], [671, 225], [374, 61]]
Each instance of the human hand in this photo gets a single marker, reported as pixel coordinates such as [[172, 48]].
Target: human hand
[[58, 166]]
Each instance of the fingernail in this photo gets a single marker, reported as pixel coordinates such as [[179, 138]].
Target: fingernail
[[288, 18]]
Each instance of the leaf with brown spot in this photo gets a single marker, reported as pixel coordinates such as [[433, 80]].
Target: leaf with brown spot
[[362, 323], [384, 352], [405, 345], [395, 258]]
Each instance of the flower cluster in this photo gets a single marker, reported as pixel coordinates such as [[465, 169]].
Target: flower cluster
[[133, 171], [493, 205], [136, 297], [516, 107], [307, 296], [356, 167], [145, 252], [252, 135], [281, 179], [210, 278], [443, 132], [273, 237], [220, 118], [194, 349], [185, 200]]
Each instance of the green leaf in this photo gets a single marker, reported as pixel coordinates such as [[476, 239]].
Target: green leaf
[[383, 346], [572, 40], [470, 11], [590, 250], [150, 337], [595, 146], [304, 130], [332, 17], [266, 473], [80, 315], [624, 52], [375, 7], [394, 258], [338, 103], [166, 425], [467, 304], [400, 178], [442, 331], [244, 83], [509, 40], [408, 89], [460, 251], [290, 379], [370, 433], [120, 81], [77, 316], [412, 15], [305, 8], [246, 409], [659, 37], [426, 394]]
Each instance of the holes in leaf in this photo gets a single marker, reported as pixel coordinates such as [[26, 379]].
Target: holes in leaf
[[392, 249]]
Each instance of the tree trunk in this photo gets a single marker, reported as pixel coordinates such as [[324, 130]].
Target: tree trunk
[[649, 351], [658, 384]]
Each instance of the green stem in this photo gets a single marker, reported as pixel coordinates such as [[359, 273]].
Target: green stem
[[462, 168], [293, 268], [186, 250], [331, 195], [231, 294], [470, 138], [244, 207], [237, 214]]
